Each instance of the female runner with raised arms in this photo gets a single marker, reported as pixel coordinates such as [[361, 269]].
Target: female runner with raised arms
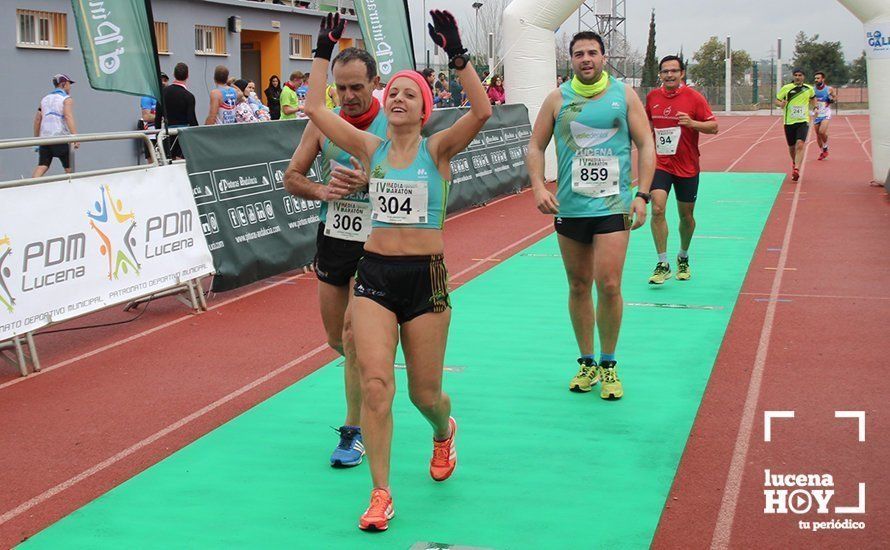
[[402, 284]]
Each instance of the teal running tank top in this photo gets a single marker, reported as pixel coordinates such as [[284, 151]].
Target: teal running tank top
[[593, 153], [330, 152], [415, 196]]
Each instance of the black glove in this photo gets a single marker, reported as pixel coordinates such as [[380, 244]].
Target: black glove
[[329, 34], [445, 34]]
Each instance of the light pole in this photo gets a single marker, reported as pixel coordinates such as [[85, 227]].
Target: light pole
[[476, 6]]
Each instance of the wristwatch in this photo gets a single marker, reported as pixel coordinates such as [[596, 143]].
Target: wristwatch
[[645, 196], [458, 62]]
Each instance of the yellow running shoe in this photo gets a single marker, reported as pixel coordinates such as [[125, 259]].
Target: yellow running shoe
[[661, 274], [586, 378], [683, 273], [611, 385]]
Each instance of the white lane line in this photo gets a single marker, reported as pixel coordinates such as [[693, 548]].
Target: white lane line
[[112, 460], [268, 285], [720, 135], [145, 332], [821, 296], [753, 145], [494, 255], [492, 203], [730, 500], [861, 143]]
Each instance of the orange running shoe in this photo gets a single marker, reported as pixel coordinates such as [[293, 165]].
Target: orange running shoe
[[379, 512], [444, 455]]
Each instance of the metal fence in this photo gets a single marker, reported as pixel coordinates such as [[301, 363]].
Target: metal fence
[[747, 97], [21, 350]]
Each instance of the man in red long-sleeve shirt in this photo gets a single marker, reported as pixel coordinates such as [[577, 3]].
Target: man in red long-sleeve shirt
[[677, 114]]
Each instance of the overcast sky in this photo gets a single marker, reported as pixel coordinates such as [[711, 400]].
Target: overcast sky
[[753, 24]]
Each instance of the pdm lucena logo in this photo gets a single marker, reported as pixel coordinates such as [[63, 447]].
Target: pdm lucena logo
[[6, 297], [117, 230]]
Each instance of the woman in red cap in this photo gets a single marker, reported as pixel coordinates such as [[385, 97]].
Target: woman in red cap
[[401, 286]]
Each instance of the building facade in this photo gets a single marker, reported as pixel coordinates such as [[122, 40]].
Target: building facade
[[254, 39]]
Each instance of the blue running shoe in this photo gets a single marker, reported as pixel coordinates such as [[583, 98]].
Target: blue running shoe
[[350, 451]]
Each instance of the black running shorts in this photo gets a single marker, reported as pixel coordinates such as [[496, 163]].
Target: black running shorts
[[409, 286], [61, 151], [796, 132], [687, 188], [583, 229], [336, 259]]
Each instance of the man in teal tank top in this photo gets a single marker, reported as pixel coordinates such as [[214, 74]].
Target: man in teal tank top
[[594, 118], [345, 223]]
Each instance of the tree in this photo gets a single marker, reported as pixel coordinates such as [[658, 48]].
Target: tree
[[650, 63], [710, 65], [683, 61], [475, 39], [858, 71], [563, 57], [827, 57]]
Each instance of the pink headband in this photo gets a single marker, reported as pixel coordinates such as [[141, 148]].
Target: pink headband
[[425, 91]]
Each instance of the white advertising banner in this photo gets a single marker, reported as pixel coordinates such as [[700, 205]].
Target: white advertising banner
[[72, 247]]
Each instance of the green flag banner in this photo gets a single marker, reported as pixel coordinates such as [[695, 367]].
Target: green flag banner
[[256, 229], [117, 41], [386, 30]]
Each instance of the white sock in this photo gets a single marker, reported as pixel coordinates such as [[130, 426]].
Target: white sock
[[663, 257], [683, 253]]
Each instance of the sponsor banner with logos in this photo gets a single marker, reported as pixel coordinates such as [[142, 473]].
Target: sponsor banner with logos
[[494, 163], [73, 247], [255, 229]]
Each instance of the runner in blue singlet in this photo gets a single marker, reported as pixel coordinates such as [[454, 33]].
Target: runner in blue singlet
[[825, 96]]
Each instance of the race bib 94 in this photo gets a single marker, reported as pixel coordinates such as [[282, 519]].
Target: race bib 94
[[666, 140], [399, 201]]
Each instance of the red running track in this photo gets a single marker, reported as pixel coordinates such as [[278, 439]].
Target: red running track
[[809, 335], [113, 401]]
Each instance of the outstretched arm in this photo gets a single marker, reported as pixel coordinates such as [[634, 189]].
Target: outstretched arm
[[541, 135], [642, 138], [349, 138], [445, 144]]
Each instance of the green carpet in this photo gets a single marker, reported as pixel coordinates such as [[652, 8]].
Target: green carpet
[[540, 467]]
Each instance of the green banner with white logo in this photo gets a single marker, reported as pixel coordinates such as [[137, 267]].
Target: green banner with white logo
[[255, 229], [386, 29], [117, 41]]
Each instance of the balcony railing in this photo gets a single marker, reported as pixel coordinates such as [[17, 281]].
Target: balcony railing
[[346, 7]]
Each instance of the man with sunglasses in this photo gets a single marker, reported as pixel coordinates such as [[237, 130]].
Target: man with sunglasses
[[678, 114]]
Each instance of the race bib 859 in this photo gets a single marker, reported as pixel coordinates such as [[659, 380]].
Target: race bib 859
[[596, 176]]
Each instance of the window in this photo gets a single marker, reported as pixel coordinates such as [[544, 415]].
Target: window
[[161, 37], [41, 29], [210, 40], [300, 46]]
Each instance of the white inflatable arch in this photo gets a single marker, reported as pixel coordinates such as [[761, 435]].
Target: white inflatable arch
[[530, 63]]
